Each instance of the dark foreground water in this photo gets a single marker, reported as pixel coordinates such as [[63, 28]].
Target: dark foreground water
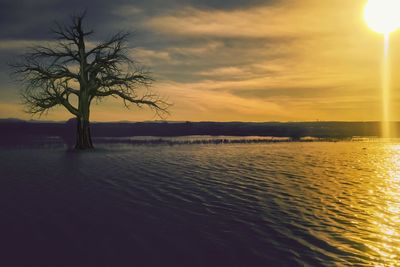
[[281, 204]]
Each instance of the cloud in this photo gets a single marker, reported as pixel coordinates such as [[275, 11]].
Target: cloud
[[148, 56], [20, 44], [291, 18], [127, 11], [197, 49], [233, 60], [225, 71]]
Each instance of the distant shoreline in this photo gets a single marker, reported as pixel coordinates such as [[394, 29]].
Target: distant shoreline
[[293, 130], [59, 142], [25, 134], [14, 133]]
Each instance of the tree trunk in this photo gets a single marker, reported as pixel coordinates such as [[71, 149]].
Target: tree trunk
[[83, 137]]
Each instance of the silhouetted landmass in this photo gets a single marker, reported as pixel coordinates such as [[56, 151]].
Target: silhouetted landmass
[[21, 132]]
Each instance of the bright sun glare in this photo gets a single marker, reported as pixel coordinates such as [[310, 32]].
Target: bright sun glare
[[383, 16]]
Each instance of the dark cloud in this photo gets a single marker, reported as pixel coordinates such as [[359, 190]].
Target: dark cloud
[[23, 19]]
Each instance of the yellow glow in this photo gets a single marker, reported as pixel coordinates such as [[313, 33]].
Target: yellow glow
[[383, 16], [383, 236], [386, 129]]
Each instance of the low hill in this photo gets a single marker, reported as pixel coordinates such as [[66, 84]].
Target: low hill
[[288, 129]]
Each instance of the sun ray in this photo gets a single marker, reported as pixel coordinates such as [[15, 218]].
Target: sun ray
[[386, 131], [383, 17]]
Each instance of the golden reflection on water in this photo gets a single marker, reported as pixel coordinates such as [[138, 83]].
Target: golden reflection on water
[[386, 215]]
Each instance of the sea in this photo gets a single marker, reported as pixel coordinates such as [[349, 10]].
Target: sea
[[181, 203]]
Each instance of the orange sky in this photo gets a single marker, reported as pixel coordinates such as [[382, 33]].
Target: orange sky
[[292, 61]]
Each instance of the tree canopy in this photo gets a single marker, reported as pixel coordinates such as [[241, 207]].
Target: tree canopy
[[71, 68]]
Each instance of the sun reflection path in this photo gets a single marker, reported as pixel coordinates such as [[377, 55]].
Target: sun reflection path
[[386, 129], [387, 218]]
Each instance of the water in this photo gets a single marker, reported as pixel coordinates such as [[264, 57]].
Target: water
[[277, 204]]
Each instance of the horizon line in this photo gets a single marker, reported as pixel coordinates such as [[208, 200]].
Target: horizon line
[[202, 121]]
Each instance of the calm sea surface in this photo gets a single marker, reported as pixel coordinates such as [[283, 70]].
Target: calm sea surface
[[278, 204]]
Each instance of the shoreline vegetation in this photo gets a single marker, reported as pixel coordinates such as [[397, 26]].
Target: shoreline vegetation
[[18, 133], [57, 142]]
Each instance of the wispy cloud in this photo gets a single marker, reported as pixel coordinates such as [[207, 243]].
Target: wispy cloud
[[249, 60], [149, 56], [290, 18], [20, 44]]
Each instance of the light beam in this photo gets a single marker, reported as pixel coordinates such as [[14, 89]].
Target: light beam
[[383, 17], [386, 129]]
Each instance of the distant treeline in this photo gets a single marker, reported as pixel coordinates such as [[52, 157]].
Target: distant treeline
[[294, 130]]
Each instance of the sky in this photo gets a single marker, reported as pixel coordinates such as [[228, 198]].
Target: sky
[[223, 60]]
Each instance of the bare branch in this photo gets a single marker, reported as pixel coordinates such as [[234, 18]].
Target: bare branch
[[53, 93], [115, 41], [71, 34], [152, 101], [48, 73]]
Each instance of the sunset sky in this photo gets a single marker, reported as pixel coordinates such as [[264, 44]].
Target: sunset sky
[[223, 60]]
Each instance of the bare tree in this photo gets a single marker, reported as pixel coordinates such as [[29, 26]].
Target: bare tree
[[71, 73]]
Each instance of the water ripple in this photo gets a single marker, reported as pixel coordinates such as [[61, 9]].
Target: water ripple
[[284, 204]]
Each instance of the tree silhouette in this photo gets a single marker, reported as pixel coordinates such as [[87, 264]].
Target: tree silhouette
[[72, 73]]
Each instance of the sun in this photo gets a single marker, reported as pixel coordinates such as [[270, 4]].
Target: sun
[[383, 16]]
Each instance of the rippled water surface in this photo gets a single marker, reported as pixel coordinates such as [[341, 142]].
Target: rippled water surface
[[278, 204]]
